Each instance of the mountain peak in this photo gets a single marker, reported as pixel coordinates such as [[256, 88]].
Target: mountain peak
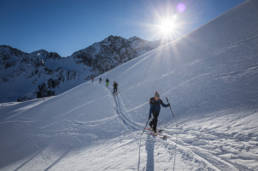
[[113, 38], [39, 51], [45, 54], [8, 50], [47, 73], [135, 38]]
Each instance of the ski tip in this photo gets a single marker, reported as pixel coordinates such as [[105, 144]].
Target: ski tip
[[164, 137], [161, 130]]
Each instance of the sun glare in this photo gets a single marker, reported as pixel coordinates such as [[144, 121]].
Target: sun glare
[[167, 23], [167, 26]]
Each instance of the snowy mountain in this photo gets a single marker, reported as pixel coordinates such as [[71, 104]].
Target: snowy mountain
[[41, 73], [111, 52], [210, 77]]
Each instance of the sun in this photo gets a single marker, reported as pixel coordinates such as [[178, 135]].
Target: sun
[[166, 23], [167, 27]]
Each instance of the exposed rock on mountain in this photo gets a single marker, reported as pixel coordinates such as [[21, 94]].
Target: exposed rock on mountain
[[41, 73]]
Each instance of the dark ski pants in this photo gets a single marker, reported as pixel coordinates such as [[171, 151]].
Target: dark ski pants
[[115, 90], [153, 123]]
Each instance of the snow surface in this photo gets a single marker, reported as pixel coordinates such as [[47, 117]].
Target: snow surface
[[210, 77]]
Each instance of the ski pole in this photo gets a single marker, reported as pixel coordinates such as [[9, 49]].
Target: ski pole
[[173, 115], [145, 125]]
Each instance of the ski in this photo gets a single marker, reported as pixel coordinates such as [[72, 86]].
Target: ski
[[157, 134]]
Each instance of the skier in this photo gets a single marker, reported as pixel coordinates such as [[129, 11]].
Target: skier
[[100, 80], [107, 82], [115, 85], [92, 78], [155, 103]]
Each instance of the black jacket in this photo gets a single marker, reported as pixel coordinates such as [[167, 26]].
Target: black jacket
[[115, 85], [155, 106]]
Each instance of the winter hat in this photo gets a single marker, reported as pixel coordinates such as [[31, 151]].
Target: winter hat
[[156, 94]]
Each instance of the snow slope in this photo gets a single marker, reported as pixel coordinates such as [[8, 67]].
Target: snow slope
[[211, 78], [24, 76]]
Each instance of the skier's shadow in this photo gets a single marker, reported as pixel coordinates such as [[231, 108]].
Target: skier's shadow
[[149, 147]]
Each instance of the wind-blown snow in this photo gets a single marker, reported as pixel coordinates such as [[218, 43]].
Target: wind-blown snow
[[210, 77]]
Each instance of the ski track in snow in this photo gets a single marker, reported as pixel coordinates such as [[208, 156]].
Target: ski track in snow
[[174, 145], [129, 124], [213, 85], [201, 155], [201, 147], [191, 146]]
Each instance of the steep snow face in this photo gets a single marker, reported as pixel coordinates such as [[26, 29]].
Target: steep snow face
[[211, 80], [205, 71], [41, 73]]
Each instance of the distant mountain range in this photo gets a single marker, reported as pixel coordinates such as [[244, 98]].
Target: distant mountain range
[[24, 76]]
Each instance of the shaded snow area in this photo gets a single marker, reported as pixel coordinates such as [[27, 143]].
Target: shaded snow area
[[210, 77]]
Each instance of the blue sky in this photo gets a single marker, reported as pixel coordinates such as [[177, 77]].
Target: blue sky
[[65, 26]]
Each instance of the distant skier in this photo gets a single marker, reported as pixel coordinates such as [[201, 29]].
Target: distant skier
[[115, 85], [92, 78], [107, 82], [100, 80], [155, 103]]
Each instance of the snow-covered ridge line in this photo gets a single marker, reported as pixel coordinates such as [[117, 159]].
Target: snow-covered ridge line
[[24, 76]]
